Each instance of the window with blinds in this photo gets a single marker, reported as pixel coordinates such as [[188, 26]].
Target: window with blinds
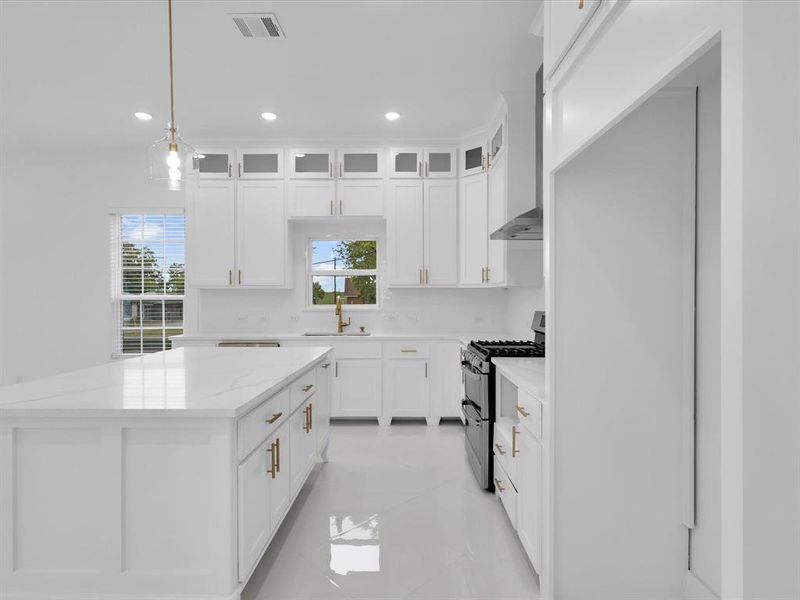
[[148, 264]]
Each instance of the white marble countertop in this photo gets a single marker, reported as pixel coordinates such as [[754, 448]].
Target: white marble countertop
[[525, 373], [462, 337], [187, 382]]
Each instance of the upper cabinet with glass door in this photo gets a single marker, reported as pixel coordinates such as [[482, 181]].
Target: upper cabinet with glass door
[[260, 163], [497, 143], [474, 156], [215, 164], [360, 163], [315, 163], [415, 163]]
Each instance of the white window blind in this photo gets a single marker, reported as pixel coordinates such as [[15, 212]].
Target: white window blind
[[148, 266]]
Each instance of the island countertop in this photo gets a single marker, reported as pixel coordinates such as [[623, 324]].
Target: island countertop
[[186, 382]]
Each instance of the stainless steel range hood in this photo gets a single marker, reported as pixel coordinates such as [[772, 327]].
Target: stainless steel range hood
[[529, 225]]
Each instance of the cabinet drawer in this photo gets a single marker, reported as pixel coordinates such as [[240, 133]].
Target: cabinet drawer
[[506, 448], [303, 388], [504, 490], [529, 413], [407, 349], [255, 426], [356, 349]]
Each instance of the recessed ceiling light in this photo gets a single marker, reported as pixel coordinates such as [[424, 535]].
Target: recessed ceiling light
[[392, 116], [143, 116], [269, 116], [300, 155]]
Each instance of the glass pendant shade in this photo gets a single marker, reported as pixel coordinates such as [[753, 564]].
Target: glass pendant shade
[[171, 162]]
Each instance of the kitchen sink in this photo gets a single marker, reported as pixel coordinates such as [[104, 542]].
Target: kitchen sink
[[334, 334]]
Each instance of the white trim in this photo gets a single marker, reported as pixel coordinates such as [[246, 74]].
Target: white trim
[[697, 590]]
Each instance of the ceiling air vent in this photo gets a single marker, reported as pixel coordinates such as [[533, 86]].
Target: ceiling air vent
[[258, 25]]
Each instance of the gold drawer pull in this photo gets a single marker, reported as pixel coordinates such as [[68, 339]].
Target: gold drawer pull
[[273, 470], [326, 365], [278, 454], [500, 449], [407, 350], [308, 387], [275, 417], [307, 424], [514, 449], [500, 487], [523, 412], [580, 4]]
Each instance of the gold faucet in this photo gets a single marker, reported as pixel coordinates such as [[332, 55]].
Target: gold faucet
[[341, 324]]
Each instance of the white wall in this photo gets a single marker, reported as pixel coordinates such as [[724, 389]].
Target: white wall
[[400, 310], [55, 254]]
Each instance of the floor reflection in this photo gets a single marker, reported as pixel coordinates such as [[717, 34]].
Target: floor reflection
[[355, 545]]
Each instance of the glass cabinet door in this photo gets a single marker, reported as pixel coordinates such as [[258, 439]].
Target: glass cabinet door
[[405, 163], [261, 164], [440, 162], [497, 143], [215, 164], [360, 164], [473, 158], [310, 163]]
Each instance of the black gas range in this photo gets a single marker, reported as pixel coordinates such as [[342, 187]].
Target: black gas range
[[478, 405]]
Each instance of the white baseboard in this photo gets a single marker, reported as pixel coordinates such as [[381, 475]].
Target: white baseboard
[[697, 590]]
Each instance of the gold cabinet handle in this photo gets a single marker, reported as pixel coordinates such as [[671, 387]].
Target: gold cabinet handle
[[306, 425], [337, 369], [426, 369], [483, 274], [427, 276], [326, 365], [514, 449], [330, 168], [240, 169], [580, 4], [500, 450], [273, 470], [230, 277], [523, 412], [274, 417], [427, 169], [308, 387], [341, 212], [240, 277], [419, 168], [278, 454], [341, 168], [407, 350], [420, 276], [310, 417], [331, 207], [487, 274], [499, 486], [229, 170]]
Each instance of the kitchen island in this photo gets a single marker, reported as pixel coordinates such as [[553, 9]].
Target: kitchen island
[[162, 476]]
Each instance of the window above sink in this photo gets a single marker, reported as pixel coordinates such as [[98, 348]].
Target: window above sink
[[344, 268]]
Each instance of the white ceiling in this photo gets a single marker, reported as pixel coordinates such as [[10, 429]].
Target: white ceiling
[[73, 72]]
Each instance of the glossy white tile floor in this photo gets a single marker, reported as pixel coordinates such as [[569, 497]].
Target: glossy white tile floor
[[396, 513]]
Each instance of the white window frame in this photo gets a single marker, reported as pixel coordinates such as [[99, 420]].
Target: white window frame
[[117, 295], [311, 273]]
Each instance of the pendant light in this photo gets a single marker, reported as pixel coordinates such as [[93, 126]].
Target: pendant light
[[171, 159]]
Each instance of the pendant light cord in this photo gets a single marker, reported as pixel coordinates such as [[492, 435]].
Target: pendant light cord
[[172, 126]]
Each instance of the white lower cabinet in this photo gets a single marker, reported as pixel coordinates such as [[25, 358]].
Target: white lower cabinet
[[529, 515], [280, 484], [303, 444], [254, 513], [322, 410], [406, 388], [357, 391]]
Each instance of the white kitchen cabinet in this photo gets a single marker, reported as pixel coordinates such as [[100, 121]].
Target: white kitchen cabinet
[[253, 507], [564, 23], [497, 217], [310, 163], [280, 484], [439, 162], [407, 389], [357, 388], [445, 380], [303, 445], [211, 234], [418, 163], [215, 163], [321, 415], [405, 163], [260, 234], [473, 156], [440, 233], [310, 198], [360, 163], [473, 242], [529, 510], [422, 224], [260, 163], [359, 198], [405, 229]]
